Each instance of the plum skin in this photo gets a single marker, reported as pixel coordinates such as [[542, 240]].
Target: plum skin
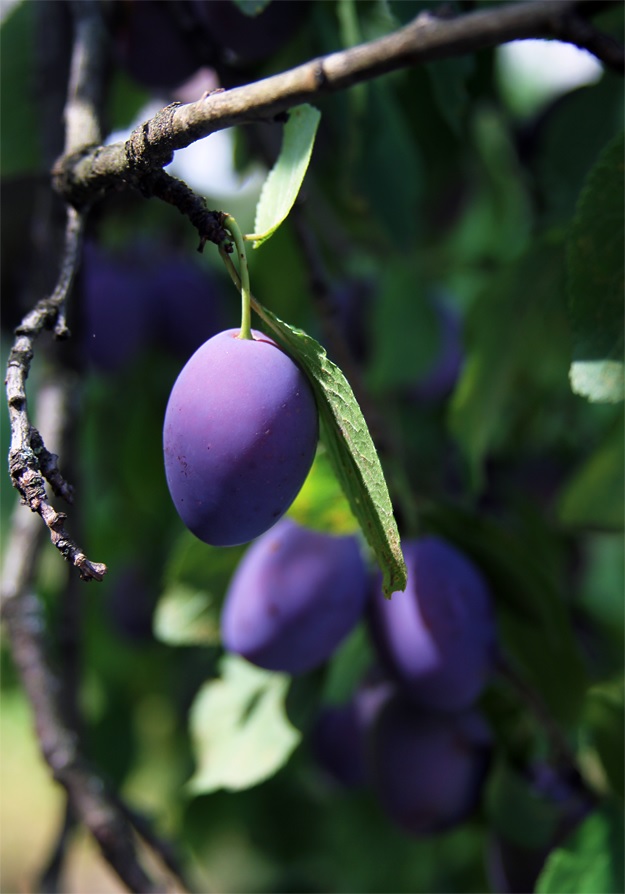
[[427, 768], [438, 637], [240, 434], [294, 597], [340, 734]]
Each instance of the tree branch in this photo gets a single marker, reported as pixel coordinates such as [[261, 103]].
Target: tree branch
[[30, 463], [88, 795], [29, 460], [83, 175]]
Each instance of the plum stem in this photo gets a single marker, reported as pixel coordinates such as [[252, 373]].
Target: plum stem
[[244, 276]]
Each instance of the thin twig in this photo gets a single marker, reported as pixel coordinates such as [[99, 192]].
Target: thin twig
[[30, 464], [209, 224]]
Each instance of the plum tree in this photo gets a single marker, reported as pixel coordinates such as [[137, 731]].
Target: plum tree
[[427, 768], [438, 637], [294, 597], [404, 131], [239, 438]]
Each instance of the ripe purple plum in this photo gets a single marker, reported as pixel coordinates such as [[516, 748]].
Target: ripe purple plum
[[188, 303], [427, 768], [242, 40], [154, 41], [294, 597], [117, 309], [240, 434], [340, 733], [437, 638]]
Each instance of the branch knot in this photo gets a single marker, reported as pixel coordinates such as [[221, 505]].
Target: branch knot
[[150, 145]]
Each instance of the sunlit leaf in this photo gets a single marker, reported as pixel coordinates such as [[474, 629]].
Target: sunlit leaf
[[591, 861], [240, 731], [285, 178], [321, 503], [186, 617]]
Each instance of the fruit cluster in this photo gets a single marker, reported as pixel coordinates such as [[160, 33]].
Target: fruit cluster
[[239, 437], [413, 732]]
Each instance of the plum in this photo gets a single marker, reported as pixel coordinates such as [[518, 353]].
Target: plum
[[239, 437], [116, 325], [294, 597], [151, 44], [339, 735], [244, 40], [438, 637], [427, 768], [188, 304]]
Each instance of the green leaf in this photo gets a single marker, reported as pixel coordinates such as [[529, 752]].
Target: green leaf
[[401, 296], [596, 280], [602, 582], [186, 617], [241, 735], [591, 862], [604, 714], [350, 447], [512, 369], [594, 498], [195, 581], [285, 178], [348, 666], [197, 565], [321, 504], [449, 81], [497, 223], [390, 169], [568, 151], [20, 152], [518, 812]]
